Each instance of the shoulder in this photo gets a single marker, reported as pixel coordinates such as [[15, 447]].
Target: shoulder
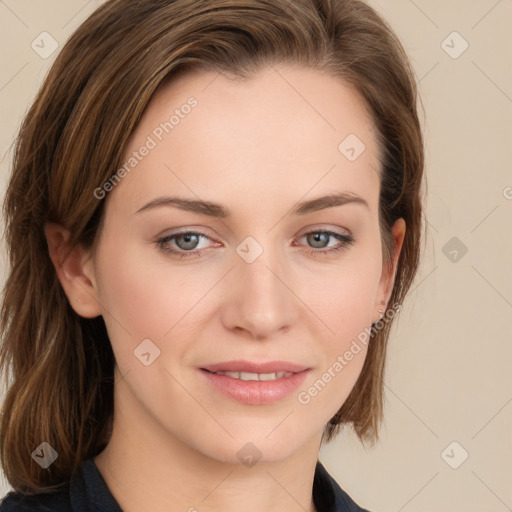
[[329, 496], [16, 502], [85, 491]]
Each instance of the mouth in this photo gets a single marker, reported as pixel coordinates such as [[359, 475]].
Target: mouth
[[254, 383], [255, 376]]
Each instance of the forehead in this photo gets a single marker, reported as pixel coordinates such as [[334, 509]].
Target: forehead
[[287, 130]]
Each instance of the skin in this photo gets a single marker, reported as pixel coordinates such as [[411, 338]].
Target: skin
[[258, 147]]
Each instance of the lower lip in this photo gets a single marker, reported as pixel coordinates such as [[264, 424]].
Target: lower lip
[[255, 392]]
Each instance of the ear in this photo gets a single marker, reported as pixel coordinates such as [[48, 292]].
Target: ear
[[387, 280], [75, 271]]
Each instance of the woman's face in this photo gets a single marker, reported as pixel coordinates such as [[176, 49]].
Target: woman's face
[[270, 278]]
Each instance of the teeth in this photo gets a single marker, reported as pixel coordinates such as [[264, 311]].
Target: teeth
[[255, 376], [248, 376], [268, 376]]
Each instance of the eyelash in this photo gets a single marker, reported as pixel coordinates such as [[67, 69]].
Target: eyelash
[[346, 241]]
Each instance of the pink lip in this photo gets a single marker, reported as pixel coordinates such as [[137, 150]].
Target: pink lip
[[255, 392], [247, 366]]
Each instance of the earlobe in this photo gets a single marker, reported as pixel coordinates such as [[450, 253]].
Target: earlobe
[[74, 271]]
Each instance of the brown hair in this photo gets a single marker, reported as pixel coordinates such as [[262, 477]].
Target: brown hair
[[74, 137]]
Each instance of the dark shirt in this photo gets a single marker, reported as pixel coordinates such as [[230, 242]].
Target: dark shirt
[[88, 492]]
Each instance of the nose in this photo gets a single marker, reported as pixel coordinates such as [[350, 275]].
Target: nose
[[260, 300]]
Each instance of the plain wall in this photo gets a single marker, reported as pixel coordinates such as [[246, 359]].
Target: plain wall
[[448, 376]]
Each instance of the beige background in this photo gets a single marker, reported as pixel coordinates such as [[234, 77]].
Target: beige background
[[448, 374]]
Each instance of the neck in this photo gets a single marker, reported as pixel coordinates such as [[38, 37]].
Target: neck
[[150, 472]]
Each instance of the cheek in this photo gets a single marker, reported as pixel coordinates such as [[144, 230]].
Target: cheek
[[344, 298], [345, 302], [346, 306], [143, 294], [347, 312]]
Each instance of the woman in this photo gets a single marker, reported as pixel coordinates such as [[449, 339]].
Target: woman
[[213, 217]]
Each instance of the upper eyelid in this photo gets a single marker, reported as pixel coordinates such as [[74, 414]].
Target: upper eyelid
[[204, 231], [306, 231]]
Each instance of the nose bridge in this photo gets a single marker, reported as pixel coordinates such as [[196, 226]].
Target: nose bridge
[[262, 301]]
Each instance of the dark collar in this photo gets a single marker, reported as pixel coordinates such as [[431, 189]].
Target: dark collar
[[91, 487], [328, 496], [88, 492]]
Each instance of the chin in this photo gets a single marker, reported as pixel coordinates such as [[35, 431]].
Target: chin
[[260, 442]]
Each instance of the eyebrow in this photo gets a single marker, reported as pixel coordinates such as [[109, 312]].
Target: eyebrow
[[217, 210]]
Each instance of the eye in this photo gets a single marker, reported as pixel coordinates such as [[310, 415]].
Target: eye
[[186, 243], [319, 240]]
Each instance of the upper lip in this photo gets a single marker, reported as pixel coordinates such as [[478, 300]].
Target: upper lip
[[250, 367]]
